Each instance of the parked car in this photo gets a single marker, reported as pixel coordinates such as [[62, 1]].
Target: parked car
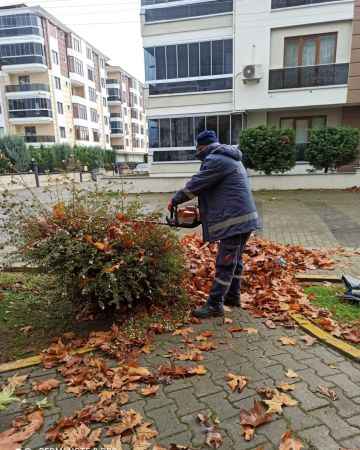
[[142, 168]]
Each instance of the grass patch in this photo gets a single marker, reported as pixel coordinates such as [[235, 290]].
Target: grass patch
[[329, 297], [28, 300]]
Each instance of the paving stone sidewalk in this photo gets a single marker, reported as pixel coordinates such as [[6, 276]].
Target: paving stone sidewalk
[[322, 424]]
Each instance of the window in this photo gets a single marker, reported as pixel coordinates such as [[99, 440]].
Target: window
[[104, 101], [96, 136], [22, 53], [55, 57], [310, 50], [91, 74], [134, 113], [76, 44], [57, 82], [76, 66], [103, 83], [60, 108], [81, 133], [80, 111], [189, 60], [29, 104], [102, 63], [92, 95], [302, 126], [216, 84], [106, 120], [62, 132], [135, 128], [2, 131], [180, 132], [191, 10], [89, 54], [24, 79], [107, 138], [94, 115]]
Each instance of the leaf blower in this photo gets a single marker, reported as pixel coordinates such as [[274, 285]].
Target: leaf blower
[[187, 217]]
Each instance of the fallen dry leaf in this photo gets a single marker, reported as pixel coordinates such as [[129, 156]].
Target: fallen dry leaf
[[228, 321], [309, 340], [26, 330], [270, 324], [14, 437], [130, 419], [251, 330], [236, 330], [139, 372], [46, 386], [214, 439], [115, 444], [81, 437], [276, 403], [149, 390], [17, 380], [328, 392], [288, 442], [285, 340], [291, 374], [252, 419], [285, 387], [199, 370], [236, 383]]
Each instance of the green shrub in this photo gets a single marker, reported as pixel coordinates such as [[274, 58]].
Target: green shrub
[[330, 148], [268, 150], [102, 253], [14, 148]]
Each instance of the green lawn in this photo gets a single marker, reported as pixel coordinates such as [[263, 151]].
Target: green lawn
[[330, 298]]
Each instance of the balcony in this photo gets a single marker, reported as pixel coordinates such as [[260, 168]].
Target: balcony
[[114, 100], [310, 76], [278, 4], [26, 90], [39, 139], [112, 81], [30, 116], [115, 116], [21, 64]]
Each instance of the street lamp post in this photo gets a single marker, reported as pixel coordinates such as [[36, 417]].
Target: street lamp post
[[35, 169]]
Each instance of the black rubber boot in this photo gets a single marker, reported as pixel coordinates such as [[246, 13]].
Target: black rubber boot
[[232, 301], [208, 311]]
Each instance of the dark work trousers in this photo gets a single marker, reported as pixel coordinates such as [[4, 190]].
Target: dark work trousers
[[229, 267]]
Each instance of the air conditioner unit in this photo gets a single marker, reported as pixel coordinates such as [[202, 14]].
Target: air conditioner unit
[[252, 72]]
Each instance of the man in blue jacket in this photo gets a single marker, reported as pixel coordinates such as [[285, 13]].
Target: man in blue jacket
[[228, 214]]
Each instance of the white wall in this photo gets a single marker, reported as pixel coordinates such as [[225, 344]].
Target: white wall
[[257, 26]]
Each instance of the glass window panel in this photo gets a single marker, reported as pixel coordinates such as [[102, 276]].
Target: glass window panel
[[150, 64], [153, 133], [205, 58], [171, 60], [160, 63], [236, 127], [228, 56], [302, 131], [224, 129], [318, 122], [199, 125], [291, 53], [217, 57], [182, 132], [212, 123], [165, 133], [194, 54], [309, 52], [327, 49], [183, 58], [286, 123]]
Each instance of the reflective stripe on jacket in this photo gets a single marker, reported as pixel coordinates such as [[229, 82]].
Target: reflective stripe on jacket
[[227, 207]]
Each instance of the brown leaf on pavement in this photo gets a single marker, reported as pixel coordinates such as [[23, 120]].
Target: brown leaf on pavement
[[139, 372], [199, 370], [46, 386], [285, 340], [81, 437], [130, 420], [15, 436], [214, 438], [328, 392], [288, 442], [270, 324], [251, 331], [236, 330], [236, 382], [276, 403], [149, 391], [291, 374], [309, 340], [252, 419], [193, 355], [206, 346], [145, 431], [115, 444], [17, 380], [140, 443], [285, 387]]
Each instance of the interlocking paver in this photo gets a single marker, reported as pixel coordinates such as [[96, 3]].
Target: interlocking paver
[[166, 421], [352, 443], [298, 420], [220, 405], [308, 400], [319, 438], [343, 381], [339, 429], [187, 402]]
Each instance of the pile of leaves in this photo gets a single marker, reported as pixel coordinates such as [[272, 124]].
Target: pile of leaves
[[105, 255], [270, 289]]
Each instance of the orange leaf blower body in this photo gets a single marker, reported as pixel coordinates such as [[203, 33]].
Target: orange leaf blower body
[[187, 217]]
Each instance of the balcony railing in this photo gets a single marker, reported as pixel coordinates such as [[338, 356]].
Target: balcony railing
[[15, 60], [113, 115], [27, 87], [30, 113], [117, 131], [277, 4], [310, 76], [112, 81], [38, 139], [114, 98]]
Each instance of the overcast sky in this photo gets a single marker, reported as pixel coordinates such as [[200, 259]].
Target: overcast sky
[[113, 26]]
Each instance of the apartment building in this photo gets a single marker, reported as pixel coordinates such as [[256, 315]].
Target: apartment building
[[128, 123], [52, 82], [230, 64]]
